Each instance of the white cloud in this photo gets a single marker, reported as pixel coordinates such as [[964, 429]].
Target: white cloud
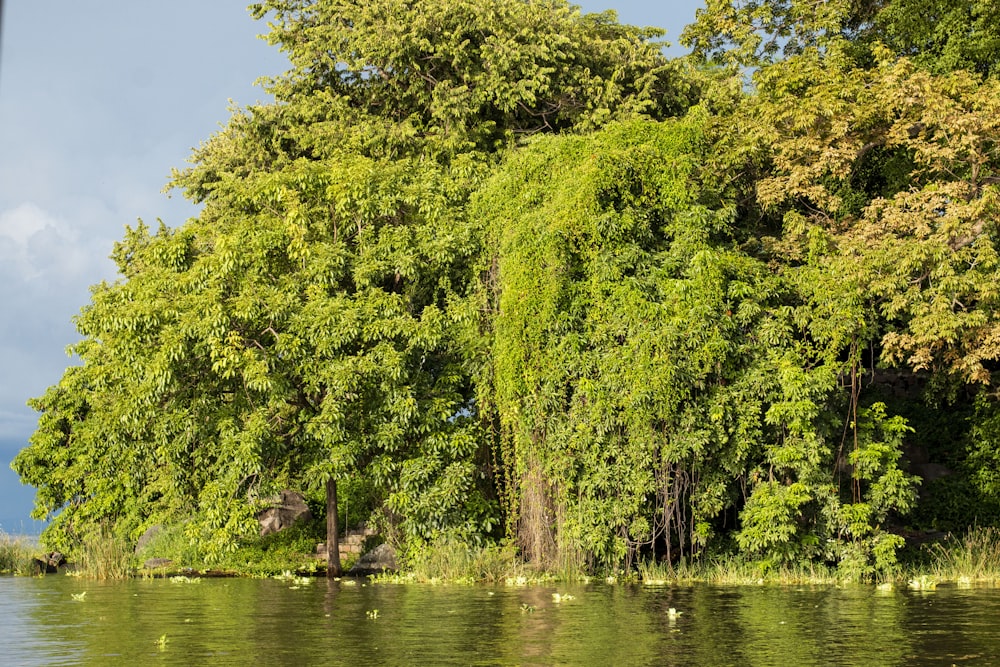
[[35, 244], [46, 268]]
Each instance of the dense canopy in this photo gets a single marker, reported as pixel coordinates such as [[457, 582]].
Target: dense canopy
[[506, 273]]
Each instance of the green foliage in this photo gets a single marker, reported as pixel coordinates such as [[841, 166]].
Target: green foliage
[[310, 322], [646, 336], [101, 554], [971, 557], [16, 555], [389, 77], [173, 543], [984, 447], [646, 371], [291, 549], [458, 562], [939, 35], [944, 35]]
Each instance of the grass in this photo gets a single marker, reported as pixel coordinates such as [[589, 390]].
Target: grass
[[172, 543], [16, 555], [972, 558], [289, 550], [738, 572], [967, 559], [103, 555], [457, 563]]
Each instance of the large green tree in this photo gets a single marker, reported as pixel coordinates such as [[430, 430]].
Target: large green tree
[[938, 35], [653, 374], [308, 326], [864, 154]]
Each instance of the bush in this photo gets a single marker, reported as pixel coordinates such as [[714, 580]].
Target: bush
[[174, 543], [289, 549]]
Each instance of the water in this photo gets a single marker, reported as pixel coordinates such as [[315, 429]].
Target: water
[[270, 622]]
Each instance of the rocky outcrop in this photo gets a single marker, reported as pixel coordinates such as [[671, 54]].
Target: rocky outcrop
[[148, 536], [380, 559], [351, 542], [286, 508], [49, 563]]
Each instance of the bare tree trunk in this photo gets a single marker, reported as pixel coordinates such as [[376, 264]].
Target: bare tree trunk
[[333, 568]]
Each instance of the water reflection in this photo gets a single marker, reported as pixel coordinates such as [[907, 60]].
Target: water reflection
[[269, 622]]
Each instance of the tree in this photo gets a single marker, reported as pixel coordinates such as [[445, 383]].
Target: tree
[[938, 35], [653, 374], [874, 176], [309, 325]]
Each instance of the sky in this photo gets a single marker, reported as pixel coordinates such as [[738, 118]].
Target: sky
[[98, 101]]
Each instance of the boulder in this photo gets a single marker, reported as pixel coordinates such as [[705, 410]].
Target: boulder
[[286, 508], [49, 563], [380, 559], [148, 536]]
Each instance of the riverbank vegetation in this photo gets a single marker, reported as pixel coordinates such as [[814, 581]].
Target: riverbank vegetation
[[16, 555], [500, 276]]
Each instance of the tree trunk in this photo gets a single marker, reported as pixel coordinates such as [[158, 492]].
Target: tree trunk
[[332, 531]]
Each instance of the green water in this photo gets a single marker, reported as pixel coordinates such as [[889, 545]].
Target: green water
[[268, 622]]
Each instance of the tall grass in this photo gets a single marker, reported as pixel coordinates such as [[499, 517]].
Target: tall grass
[[104, 555], [16, 555], [970, 558], [454, 562], [736, 571]]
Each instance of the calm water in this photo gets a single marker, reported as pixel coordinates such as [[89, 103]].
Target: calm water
[[268, 622]]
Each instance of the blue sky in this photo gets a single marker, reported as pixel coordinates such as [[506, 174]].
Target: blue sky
[[98, 100]]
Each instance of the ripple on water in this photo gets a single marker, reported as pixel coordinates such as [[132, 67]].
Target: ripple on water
[[269, 622]]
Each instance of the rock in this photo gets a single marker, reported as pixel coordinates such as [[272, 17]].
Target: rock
[[286, 508], [380, 559], [157, 563], [55, 559], [148, 536], [49, 563]]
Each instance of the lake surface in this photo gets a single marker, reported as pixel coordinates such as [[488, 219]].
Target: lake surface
[[272, 622]]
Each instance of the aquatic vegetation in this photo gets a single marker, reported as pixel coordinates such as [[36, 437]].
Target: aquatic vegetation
[[454, 562], [972, 557], [16, 555], [182, 579], [922, 583], [562, 597], [738, 571], [79, 597], [104, 555], [161, 643], [373, 614]]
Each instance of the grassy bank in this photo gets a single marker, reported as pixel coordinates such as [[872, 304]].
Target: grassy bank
[[290, 550], [17, 555], [969, 559], [972, 558]]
